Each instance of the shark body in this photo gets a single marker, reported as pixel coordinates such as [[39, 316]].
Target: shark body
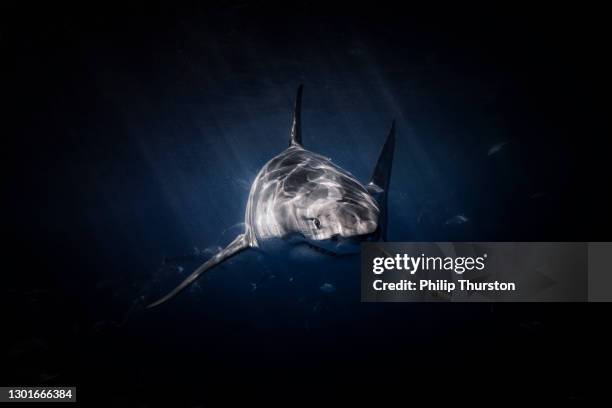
[[301, 197]]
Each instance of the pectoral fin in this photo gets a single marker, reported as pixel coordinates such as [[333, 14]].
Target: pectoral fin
[[379, 183], [239, 244]]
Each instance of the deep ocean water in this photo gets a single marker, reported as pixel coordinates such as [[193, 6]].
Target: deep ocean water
[[154, 130]]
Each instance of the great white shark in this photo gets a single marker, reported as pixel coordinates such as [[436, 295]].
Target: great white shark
[[301, 197]]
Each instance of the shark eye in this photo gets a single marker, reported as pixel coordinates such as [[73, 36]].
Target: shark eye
[[317, 223]]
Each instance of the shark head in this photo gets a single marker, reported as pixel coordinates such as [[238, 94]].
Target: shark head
[[337, 213]]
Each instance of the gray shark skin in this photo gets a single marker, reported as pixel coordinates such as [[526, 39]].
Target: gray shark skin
[[301, 197]]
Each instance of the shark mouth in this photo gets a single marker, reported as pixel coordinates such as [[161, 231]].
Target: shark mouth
[[320, 250]]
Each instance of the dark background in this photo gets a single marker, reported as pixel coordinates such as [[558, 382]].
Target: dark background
[[134, 132]]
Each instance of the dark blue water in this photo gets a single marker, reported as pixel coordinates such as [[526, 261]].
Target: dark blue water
[[146, 135]]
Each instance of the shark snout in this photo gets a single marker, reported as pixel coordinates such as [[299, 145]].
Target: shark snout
[[357, 228]]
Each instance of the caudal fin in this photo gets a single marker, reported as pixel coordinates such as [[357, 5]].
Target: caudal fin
[[239, 244]]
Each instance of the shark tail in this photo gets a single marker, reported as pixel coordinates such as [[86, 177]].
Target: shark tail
[[240, 243]]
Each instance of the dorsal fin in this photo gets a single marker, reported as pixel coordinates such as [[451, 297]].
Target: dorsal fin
[[296, 125], [379, 183]]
